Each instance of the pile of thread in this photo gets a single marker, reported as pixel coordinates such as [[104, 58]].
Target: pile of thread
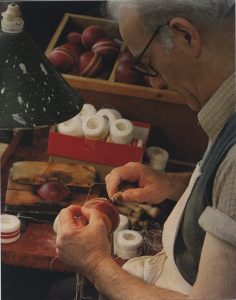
[[105, 124]]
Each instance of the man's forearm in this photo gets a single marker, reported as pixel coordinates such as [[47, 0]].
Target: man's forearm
[[116, 284], [178, 184]]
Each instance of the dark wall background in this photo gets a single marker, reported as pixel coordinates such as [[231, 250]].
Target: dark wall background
[[42, 17]]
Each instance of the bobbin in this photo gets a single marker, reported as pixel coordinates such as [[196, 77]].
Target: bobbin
[[71, 127], [95, 127], [121, 131], [87, 110], [129, 244], [108, 114], [158, 158], [124, 224], [10, 228]]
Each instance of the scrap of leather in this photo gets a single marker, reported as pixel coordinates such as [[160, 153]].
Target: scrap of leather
[[37, 173]]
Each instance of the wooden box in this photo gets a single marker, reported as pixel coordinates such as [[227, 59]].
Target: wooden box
[[105, 82]]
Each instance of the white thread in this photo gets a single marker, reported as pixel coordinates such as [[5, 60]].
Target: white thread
[[71, 127], [121, 131], [108, 114], [158, 158], [124, 224], [152, 240], [116, 113], [87, 111], [129, 244], [95, 127], [10, 228]]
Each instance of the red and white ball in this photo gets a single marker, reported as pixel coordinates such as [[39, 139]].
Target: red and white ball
[[91, 34], [108, 210], [61, 59], [126, 56], [89, 64], [106, 47], [125, 73], [74, 38]]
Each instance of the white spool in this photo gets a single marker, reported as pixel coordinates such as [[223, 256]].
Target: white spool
[[158, 158], [116, 113], [108, 114], [129, 244], [124, 224], [87, 111], [10, 228], [71, 127], [121, 131], [95, 127]]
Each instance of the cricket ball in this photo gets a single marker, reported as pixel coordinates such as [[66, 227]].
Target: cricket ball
[[126, 56], [72, 49], [125, 73], [89, 64], [61, 59], [91, 34], [106, 47], [108, 212], [74, 38], [53, 191]]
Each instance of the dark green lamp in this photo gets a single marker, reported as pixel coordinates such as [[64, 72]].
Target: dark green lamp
[[32, 93]]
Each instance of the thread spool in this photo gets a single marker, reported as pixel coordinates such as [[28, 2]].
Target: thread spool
[[129, 244], [121, 131], [95, 127], [71, 127], [116, 113], [87, 110], [124, 224], [108, 114], [158, 158], [10, 228]]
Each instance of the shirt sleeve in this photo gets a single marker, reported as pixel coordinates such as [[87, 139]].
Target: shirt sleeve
[[220, 219]]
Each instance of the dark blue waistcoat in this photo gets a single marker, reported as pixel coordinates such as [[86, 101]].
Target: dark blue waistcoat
[[190, 236]]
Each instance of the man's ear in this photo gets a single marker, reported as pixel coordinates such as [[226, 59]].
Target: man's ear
[[189, 33]]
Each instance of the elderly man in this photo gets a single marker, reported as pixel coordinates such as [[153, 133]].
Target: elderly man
[[191, 43]]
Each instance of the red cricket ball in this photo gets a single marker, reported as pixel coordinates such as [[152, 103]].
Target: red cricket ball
[[126, 56], [72, 49], [91, 34], [109, 212], [61, 59], [106, 47], [125, 73], [53, 191], [89, 64], [74, 38]]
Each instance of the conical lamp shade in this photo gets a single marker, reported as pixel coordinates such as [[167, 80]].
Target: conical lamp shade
[[32, 93]]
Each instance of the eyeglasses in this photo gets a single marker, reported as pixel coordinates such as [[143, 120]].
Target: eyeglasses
[[140, 66]]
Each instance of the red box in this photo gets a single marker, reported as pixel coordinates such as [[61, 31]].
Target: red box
[[97, 151]]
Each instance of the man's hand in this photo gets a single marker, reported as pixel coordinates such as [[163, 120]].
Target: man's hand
[[82, 247], [154, 187]]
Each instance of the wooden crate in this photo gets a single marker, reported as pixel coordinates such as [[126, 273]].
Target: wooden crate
[[106, 83]]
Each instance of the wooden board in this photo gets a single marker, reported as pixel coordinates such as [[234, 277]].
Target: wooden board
[[23, 197]]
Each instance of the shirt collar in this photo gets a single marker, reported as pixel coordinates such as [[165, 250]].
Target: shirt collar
[[215, 113]]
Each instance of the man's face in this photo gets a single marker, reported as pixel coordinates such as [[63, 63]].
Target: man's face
[[173, 64]]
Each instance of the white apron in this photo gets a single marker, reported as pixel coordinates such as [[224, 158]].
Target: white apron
[[161, 270]]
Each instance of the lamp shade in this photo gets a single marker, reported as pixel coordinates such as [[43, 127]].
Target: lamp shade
[[32, 92]]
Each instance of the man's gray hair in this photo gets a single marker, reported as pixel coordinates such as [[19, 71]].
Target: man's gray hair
[[207, 15]]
